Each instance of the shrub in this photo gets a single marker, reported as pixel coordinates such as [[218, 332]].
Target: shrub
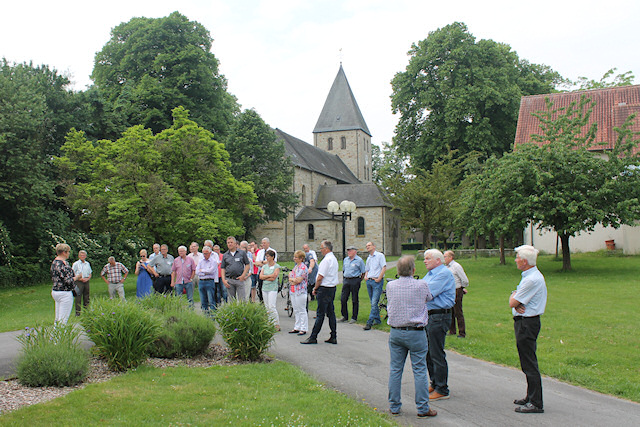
[[185, 333], [163, 303], [52, 356], [122, 331], [246, 328]]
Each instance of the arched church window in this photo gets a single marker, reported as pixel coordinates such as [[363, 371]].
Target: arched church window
[[330, 144], [310, 232], [360, 226], [304, 195], [343, 142]]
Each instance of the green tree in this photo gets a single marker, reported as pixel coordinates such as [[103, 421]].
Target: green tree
[[150, 66], [36, 111], [388, 168], [623, 79], [459, 94], [173, 187], [259, 157]]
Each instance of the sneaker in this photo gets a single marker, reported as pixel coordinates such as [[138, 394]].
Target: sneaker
[[344, 319], [352, 321], [429, 413], [529, 408], [437, 396], [367, 326]]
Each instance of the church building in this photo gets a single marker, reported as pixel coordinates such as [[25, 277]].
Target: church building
[[336, 167]]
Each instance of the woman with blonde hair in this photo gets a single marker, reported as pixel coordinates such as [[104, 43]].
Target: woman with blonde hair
[[269, 275], [144, 282], [62, 278], [298, 282]]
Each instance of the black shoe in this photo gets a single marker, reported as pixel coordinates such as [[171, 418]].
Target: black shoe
[[309, 341], [461, 336], [344, 319], [529, 408], [295, 331], [520, 401], [367, 327], [332, 341]]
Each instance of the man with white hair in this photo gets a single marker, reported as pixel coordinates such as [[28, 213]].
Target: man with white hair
[[443, 288], [197, 257], [207, 271], [527, 304], [182, 272], [116, 274], [235, 269]]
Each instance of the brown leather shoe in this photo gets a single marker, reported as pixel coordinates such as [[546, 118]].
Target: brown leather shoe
[[429, 413], [431, 389], [437, 396]]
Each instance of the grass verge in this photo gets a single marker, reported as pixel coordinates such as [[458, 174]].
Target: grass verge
[[252, 394]]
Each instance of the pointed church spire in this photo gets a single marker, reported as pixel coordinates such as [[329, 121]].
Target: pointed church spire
[[340, 111]]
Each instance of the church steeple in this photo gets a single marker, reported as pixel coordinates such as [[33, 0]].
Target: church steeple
[[340, 111], [341, 129]]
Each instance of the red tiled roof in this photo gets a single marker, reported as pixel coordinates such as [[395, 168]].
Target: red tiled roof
[[611, 109]]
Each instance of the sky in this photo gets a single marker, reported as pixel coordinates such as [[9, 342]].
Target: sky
[[280, 57]]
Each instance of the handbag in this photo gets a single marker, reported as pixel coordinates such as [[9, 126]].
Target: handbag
[[75, 291]]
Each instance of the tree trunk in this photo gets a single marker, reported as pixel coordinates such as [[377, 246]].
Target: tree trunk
[[502, 260], [475, 247], [566, 254]]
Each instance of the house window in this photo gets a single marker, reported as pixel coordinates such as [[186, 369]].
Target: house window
[[360, 226], [304, 195], [310, 232], [343, 143], [330, 144]]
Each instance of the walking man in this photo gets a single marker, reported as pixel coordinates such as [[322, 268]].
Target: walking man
[[443, 288], [407, 307], [325, 291], [375, 267], [352, 274], [115, 279], [82, 268], [461, 288], [527, 304]]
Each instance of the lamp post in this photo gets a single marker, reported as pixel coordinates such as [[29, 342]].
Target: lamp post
[[344, 210]]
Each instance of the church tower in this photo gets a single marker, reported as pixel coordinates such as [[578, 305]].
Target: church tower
[[341, 129]]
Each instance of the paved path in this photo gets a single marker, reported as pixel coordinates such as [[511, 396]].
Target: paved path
[[481, 392]]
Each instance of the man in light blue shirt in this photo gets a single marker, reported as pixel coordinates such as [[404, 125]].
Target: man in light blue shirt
[[527, 303], [375, 269], [443, 288], [352, 273]]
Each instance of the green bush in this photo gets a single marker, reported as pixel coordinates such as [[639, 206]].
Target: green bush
[[51, 356], [122, 331], [164, 303], [246, 328], [185, 333]]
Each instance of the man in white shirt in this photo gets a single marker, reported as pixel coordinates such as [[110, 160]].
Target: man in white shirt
[[197, 257], [82, 267], [325, 291]]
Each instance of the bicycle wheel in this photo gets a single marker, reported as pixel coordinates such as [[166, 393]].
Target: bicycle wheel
[[284, 290]]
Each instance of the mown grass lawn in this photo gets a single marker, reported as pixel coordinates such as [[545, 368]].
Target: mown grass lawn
[[244, 395]]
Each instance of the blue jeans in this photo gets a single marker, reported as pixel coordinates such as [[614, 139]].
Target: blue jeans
[[221, 292], [375, 290], [415, 343], [207, 295], [189, 287], [437, 329]]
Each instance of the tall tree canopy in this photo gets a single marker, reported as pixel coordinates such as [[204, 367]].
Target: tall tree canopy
[[150, 66], [259, 157], [173, 187], [36, 111], [459, 94]]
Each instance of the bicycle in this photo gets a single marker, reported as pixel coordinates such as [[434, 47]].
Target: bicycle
[[283, 288]]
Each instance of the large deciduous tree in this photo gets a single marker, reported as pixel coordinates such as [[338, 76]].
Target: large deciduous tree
[[259, 157], [173, 187], [150, 66], [461, 94]]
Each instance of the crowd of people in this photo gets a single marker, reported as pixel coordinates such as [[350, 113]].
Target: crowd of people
[[420, 312]]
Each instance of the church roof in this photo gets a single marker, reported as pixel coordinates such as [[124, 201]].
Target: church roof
[[308, 213], [611, 107], [308, 157], [340, 111], [364, 195]]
